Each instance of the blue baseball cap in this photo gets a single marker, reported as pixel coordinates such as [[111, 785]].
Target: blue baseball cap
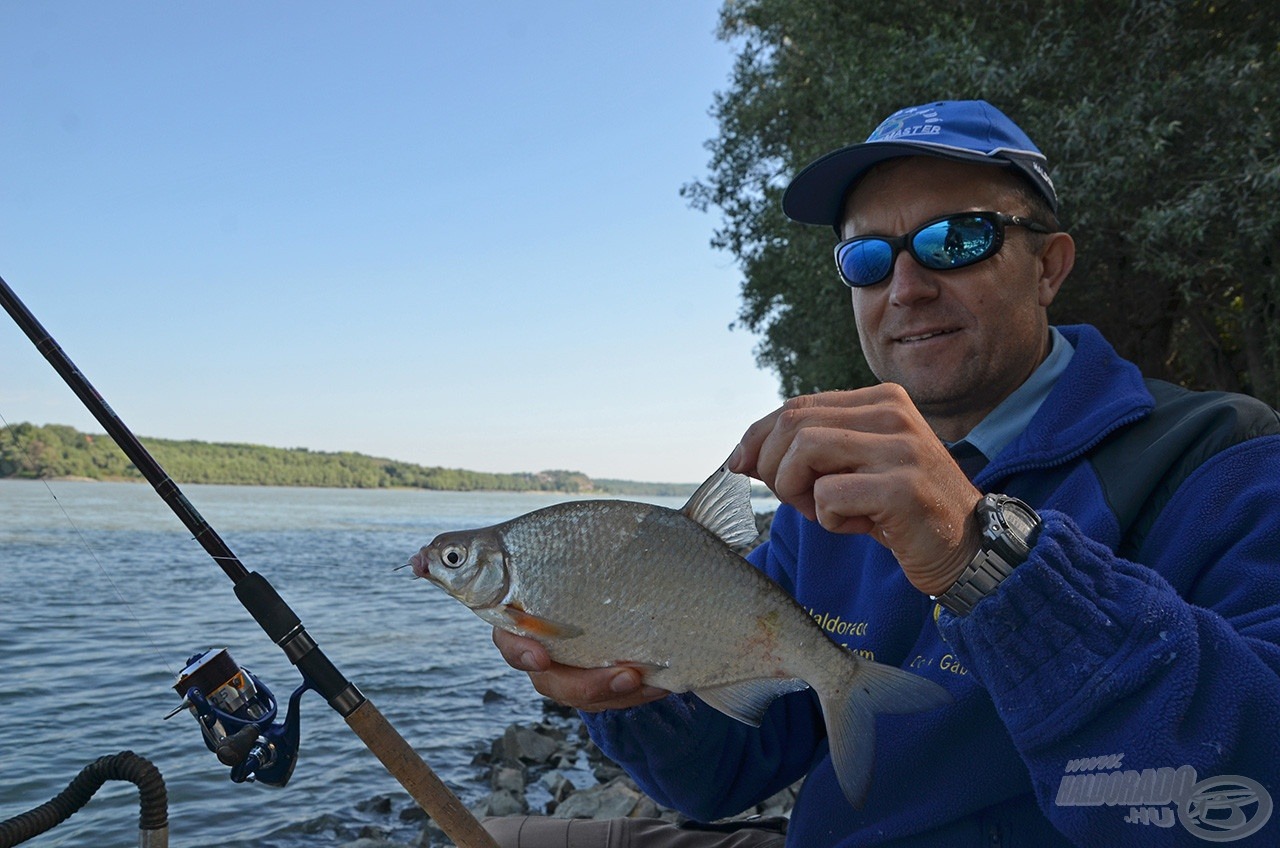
[[961, 130]]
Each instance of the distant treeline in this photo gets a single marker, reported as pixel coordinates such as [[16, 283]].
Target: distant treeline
[[55, 450]]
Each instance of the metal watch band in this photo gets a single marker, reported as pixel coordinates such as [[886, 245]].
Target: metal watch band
[[981, 576], [1005, 545]]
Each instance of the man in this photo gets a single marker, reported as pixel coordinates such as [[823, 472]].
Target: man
[[1107, 617]]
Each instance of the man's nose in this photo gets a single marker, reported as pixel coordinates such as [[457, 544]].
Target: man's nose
[[911, 283]]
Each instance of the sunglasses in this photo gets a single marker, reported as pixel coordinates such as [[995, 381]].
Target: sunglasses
[[943, 244]]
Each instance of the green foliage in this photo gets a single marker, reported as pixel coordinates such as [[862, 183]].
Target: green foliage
[[54, 450], [1159, 119], [632, 487]]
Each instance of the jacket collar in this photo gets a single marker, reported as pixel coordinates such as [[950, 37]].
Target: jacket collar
[[1098, 392]]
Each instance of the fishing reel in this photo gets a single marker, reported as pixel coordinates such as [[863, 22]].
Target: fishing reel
[[237, 716]]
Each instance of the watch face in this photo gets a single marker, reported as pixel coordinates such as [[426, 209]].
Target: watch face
[[1022, 523]]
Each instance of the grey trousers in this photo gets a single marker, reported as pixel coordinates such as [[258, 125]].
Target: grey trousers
[[542, 832]]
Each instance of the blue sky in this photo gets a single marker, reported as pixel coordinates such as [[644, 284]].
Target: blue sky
[[443, 232]]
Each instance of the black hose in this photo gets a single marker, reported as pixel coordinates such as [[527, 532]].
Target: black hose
[[125, 765]]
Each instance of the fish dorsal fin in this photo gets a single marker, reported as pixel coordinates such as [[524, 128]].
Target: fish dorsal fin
[[722, 504], [748, 700]]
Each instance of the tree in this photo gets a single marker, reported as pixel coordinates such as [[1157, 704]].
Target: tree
[[1159, 119]]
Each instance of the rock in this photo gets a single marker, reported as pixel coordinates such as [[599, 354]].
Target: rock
[[412, 813], [526, 744], [613, 800], [433, 836], [377, 804], [500, 803], [508, 779], [647, 808], [558, 710], [323, 824], [558, 785], [607, 770]]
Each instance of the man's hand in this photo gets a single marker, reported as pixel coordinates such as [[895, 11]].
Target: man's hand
[[590, 689], [866, 461]]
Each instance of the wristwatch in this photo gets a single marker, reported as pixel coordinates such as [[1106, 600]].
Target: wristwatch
[[1009, 529]]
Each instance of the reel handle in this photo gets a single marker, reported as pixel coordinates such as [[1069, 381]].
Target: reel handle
[[235, 749]]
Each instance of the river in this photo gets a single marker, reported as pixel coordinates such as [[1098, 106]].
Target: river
[[104, 595]]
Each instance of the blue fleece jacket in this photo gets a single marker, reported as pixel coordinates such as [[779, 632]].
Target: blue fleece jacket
[[1122, 687]]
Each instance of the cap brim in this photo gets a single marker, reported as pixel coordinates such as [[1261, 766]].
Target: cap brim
[[816, 195]]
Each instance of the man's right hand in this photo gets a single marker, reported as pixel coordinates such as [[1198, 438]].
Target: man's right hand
[[591, 689]]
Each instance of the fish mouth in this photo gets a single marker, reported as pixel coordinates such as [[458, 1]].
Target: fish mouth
[[418, 563]]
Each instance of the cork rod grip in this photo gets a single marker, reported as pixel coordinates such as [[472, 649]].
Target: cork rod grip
[[417, 778]]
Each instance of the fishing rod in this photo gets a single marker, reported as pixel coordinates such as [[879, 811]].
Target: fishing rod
[[281, 623]]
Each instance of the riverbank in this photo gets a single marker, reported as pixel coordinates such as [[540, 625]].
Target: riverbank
[[57, 451], [551, 768]]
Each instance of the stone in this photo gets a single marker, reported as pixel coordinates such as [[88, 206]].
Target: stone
[[606, 771], [526, 744], [612, 800], [377, 804], [559, 786], [535, 758], [646, 808], [500, 803], [412, 813], [509, 779]]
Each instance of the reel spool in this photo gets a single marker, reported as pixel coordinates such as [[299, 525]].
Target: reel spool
[[237, 716]]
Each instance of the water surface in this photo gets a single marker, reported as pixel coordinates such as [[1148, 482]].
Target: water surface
[[104, 595]]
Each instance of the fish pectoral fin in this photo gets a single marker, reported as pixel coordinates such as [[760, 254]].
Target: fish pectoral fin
[[748, 700], [528, 624]]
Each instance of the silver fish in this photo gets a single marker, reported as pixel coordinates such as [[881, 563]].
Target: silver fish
[[606, 581]]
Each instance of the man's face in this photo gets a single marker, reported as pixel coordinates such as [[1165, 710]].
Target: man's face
[[958, 341]]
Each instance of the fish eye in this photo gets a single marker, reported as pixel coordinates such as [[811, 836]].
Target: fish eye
[[453, 556]]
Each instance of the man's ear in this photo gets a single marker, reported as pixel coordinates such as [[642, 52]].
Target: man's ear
[[1057, 258]]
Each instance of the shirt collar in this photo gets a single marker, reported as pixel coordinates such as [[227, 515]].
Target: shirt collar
[[1003, 424]]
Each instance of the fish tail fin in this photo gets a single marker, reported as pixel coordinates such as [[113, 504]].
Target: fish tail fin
[[850, 710]]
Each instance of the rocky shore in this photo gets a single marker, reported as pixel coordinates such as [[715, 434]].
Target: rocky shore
[[553, 768], [548, 768]]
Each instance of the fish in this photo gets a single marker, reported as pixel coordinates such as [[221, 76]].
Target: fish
[[606, 582]]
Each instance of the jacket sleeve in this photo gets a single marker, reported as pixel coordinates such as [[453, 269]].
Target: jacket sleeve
[[1134, 690], [692, 758]]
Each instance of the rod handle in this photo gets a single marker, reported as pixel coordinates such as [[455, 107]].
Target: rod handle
[[417, 778]]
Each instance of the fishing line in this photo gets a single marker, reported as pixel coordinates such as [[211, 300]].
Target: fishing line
[[84, 542]]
